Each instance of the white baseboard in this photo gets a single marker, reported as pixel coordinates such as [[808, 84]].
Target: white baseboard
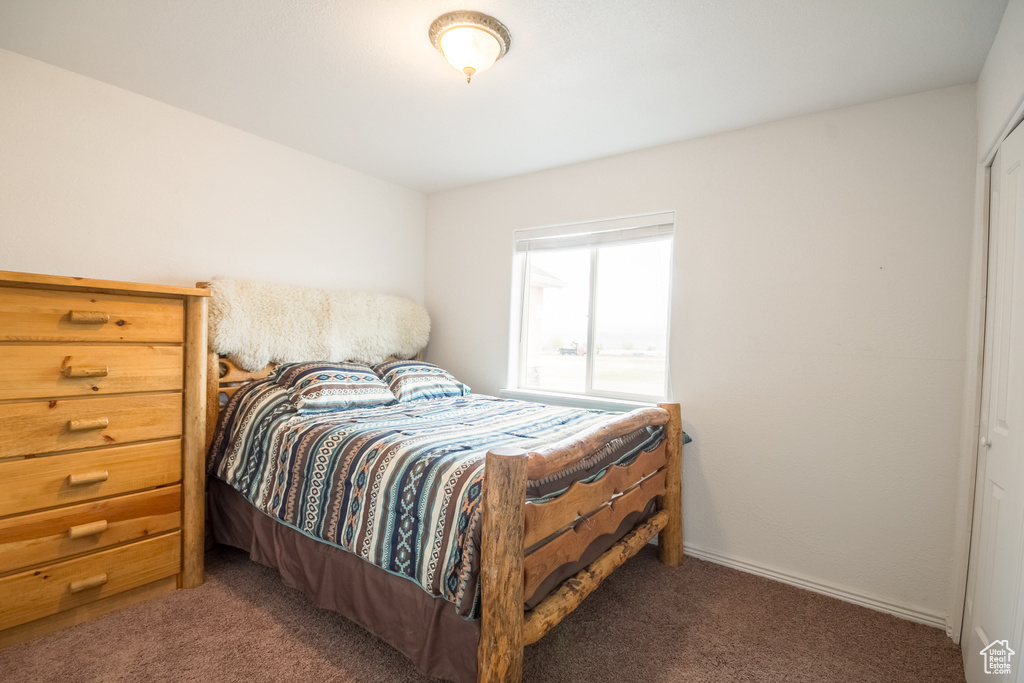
[[955, 636], [916, 614]]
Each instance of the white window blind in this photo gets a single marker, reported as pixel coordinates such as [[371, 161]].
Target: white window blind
[[619, 236]]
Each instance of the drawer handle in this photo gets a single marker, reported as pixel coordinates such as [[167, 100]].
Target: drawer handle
[[86, 584], [88, 317], [88, 478], [87, 425], [73, 372], [90, 529]]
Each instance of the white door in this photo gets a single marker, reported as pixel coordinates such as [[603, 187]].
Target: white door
[[994, 610]]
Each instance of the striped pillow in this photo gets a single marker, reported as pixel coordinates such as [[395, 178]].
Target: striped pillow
[[321, 387], [413, 380]]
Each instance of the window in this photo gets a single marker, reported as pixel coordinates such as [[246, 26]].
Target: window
[[593, 308]]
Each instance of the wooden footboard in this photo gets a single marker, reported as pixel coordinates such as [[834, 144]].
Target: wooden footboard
[[521, 542]]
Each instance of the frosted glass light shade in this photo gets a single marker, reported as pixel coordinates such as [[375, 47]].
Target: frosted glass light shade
[[470, 49], [470, 41]]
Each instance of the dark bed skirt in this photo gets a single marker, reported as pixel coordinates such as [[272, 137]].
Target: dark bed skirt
[[425, 629]]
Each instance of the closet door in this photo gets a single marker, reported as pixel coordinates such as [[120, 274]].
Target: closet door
[[995, 591]]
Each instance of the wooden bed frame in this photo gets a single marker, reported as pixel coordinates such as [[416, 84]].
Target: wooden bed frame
[[521, 541]]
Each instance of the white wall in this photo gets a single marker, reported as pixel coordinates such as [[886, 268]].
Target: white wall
[[100, 182], [818, 324]]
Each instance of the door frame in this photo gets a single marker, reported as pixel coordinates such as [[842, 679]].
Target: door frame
[[970, 423]]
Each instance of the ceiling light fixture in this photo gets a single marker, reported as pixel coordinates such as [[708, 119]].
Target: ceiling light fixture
[[471, 41]]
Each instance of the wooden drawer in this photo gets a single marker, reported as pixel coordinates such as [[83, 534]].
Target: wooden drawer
[[49, 536], [38, 483], [57, 587], [49, 315], [58, 370], [49, 426]]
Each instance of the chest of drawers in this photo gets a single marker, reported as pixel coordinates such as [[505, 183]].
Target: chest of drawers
[[102, 429]]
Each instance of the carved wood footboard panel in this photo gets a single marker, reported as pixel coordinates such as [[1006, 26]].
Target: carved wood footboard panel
[[521, 541]]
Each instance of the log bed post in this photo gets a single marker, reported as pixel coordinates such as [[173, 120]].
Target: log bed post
[[500, 653], [193, 443], [212, 396], [670, 540], [212, 386]]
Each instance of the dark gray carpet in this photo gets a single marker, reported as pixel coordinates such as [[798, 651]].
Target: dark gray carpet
[[701, 622]]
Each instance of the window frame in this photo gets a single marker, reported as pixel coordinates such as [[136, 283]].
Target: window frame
[[663, 223]]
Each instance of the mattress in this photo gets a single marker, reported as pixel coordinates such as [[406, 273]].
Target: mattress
[[399, 486]]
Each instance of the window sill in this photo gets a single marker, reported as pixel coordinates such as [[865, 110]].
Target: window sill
[[575, 401]]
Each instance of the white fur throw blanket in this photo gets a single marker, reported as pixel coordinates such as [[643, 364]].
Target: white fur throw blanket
[[255, 323]]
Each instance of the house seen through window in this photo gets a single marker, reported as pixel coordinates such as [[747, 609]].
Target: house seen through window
[[594, 308]]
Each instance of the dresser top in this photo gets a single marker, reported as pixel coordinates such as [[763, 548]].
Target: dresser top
[[86, 284]]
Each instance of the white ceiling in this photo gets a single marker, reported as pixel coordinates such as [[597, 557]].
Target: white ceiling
[[358, 82]]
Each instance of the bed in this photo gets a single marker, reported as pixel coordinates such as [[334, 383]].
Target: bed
[[458, 528]]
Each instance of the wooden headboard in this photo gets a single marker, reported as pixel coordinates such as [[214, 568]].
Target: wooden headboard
[[223, 379]]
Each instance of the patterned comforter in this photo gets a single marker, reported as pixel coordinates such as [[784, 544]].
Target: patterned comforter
[[399, 485]]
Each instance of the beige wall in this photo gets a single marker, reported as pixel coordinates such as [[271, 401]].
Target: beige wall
[[818, 351], [100, 182]]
